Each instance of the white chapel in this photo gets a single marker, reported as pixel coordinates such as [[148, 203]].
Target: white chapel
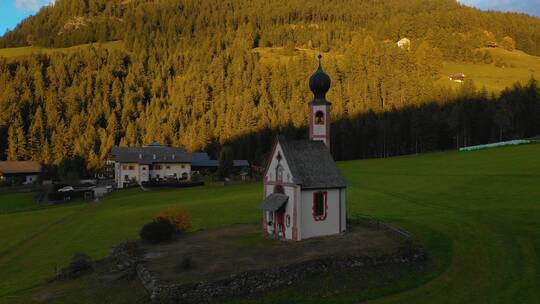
[[304, 191]]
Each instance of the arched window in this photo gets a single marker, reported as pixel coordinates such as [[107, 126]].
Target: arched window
[[279, 173], [279, 189], [319, 118]]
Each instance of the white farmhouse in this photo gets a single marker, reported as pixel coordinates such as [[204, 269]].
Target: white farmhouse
[[305, 194], [152, 162], [404, 44]]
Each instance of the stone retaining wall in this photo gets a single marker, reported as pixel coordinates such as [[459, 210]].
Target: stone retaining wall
[[258, 281]]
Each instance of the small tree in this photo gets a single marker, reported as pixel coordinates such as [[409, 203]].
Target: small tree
[[176, 216], [226, 161], [157, 231], [508, 43]]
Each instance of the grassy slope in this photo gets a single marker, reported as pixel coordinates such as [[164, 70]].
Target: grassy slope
[[30, 50], [495, 79], [17, 202], [477, 212]]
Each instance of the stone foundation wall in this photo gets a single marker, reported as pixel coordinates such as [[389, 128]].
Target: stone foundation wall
[[259, 281]]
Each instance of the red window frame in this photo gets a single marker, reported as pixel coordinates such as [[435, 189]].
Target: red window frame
[[317, 196]]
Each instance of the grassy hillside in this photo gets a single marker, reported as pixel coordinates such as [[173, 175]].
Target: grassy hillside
[[477, 212], [518, 66], [31, 50]]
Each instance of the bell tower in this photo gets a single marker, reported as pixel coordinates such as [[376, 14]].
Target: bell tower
[[319, 122]]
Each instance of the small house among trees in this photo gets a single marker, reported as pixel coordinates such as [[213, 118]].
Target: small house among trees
[[404, 44], [459, 77]]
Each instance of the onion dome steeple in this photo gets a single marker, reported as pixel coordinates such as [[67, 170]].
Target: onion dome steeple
[[319, 83]]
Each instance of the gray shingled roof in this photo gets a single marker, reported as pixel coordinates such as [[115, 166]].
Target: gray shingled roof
[[150, 154], [273, 202], [311, 164]]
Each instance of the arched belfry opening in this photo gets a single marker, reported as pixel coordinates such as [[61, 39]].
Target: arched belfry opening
[[319, 118]]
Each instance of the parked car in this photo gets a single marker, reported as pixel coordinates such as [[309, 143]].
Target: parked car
[[66, 189]]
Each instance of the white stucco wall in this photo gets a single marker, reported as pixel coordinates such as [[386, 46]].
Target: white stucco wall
[[122, 170], [289, 209], [271, 173], [312, 228], [142, 175], [319, 129], [343, 209], [289, 188], [177, 169]]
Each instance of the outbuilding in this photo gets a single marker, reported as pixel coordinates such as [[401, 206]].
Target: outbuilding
[[20, 172]]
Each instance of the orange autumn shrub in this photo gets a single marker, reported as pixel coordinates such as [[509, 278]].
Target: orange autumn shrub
[[176, 216]]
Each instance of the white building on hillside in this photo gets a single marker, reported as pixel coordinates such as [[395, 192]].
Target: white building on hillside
[[305, 194], [152, 162], [405, 44]]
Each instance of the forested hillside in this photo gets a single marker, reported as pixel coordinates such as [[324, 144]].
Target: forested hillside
[[188, 75]]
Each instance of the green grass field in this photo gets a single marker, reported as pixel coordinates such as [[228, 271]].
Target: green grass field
[[17, 202], [478, 213], [31, 50]]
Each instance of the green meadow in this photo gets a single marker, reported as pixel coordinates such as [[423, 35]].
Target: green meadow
[[477, 213], [33, 50], [519, 67]]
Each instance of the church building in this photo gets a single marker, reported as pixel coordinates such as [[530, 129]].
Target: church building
[[305, 193]]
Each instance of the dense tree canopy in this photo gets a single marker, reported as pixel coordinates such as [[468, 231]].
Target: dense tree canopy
[[189, 76]]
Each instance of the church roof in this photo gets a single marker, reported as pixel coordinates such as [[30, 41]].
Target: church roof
[[311, 164], [319, 84], [273, 202]]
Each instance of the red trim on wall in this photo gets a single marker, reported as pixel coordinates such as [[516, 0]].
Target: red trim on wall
[[325, 214]]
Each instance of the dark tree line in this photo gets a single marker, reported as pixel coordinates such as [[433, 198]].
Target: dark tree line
[[471, 117]]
